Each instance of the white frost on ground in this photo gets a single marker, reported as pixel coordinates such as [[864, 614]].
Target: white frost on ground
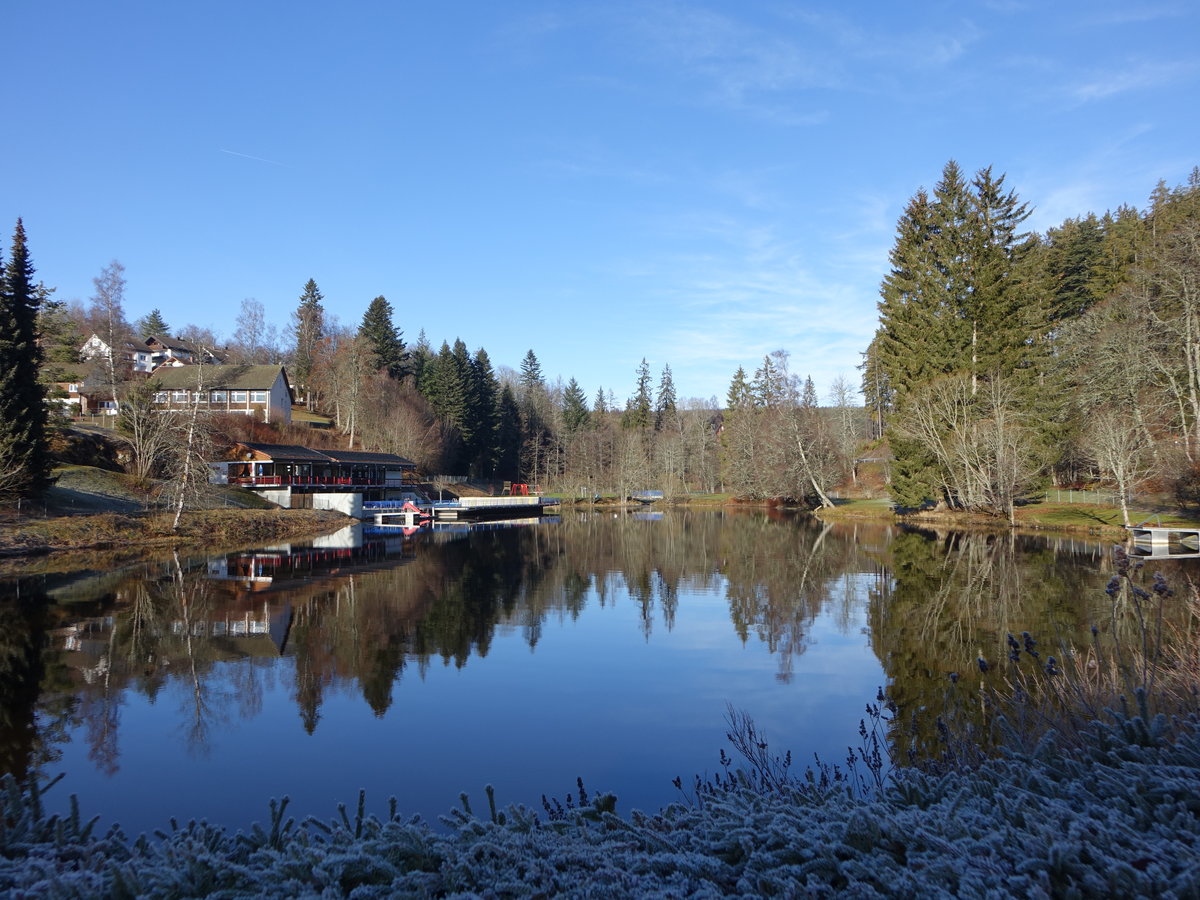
[[1119, 818]]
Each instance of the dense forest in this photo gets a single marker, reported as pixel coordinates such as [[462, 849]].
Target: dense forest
[[1004, 361]]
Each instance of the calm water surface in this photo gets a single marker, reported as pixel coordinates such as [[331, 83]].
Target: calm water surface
[[601, 646]]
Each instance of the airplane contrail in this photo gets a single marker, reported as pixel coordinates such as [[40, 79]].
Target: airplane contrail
[[256, 158]]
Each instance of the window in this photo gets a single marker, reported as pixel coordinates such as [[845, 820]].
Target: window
[[179, 396], [160, 396], [239, 396], [219, 397], [202, 397], [72, 389], [258, 396]]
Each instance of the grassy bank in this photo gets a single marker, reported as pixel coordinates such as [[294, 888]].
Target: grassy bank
[[103, 531], [90, 509], [1087, 518]]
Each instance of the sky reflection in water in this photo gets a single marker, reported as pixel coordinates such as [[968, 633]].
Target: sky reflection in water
[[602, 648]]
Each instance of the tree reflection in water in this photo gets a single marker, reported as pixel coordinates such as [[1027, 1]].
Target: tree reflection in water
[[363, 618]]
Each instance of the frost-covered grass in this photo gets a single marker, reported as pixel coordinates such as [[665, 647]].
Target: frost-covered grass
[[1118, 815]]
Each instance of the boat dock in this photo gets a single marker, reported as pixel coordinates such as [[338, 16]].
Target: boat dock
[[407, 514], [1165, 542]]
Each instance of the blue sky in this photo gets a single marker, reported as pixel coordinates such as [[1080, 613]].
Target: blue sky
[[698, 184]]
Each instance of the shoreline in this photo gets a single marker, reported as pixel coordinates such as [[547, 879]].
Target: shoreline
[[24, 540]]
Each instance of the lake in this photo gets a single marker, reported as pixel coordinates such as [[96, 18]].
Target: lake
[[602, 646]]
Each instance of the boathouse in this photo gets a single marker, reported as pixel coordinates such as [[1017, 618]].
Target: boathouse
[[291, 475]]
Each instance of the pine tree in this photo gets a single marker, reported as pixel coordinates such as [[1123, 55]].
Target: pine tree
[[600, 404], [575, 410], [308, 327], [383, 338], [152, 325], [24, 454]]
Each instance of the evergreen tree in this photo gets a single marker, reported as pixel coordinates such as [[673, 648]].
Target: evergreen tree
[[308, 327], [639, 409], [958, 299], [739, 395], [769, 387], [575, 410], [152, 325], [58, 335], [444, 387], [808, 396], [383, 338], [664, 403], [24, 454], [484, 402], [600, 404], [508, 437], [419, 359], [1070, 257], [531, 373]]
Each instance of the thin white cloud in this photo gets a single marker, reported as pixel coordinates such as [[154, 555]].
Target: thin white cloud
[[1136, 76]]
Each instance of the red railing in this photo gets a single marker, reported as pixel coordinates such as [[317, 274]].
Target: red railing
[[305, 481]]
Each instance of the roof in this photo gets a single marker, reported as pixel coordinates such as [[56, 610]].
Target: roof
[[246, 378], [285, 451], [362, 456], [171, 343], [296, 452]]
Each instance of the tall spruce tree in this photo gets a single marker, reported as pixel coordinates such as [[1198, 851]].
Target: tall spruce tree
[[383, 337], [484, 412], [24, 453], [639, 409], [419, 359], [508, 437], [665, 401], [575, 412], [957, 300], [308, 327]]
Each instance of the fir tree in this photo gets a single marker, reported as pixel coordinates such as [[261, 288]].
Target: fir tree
[[308, 327], [639, 410], [152, 325], [958, 299], [531, 373], [600, 404], [664, 403], [419, 359], [508, 437], [739, 395], [24, 452], [484, 399], [575, 410], [383, 338]]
